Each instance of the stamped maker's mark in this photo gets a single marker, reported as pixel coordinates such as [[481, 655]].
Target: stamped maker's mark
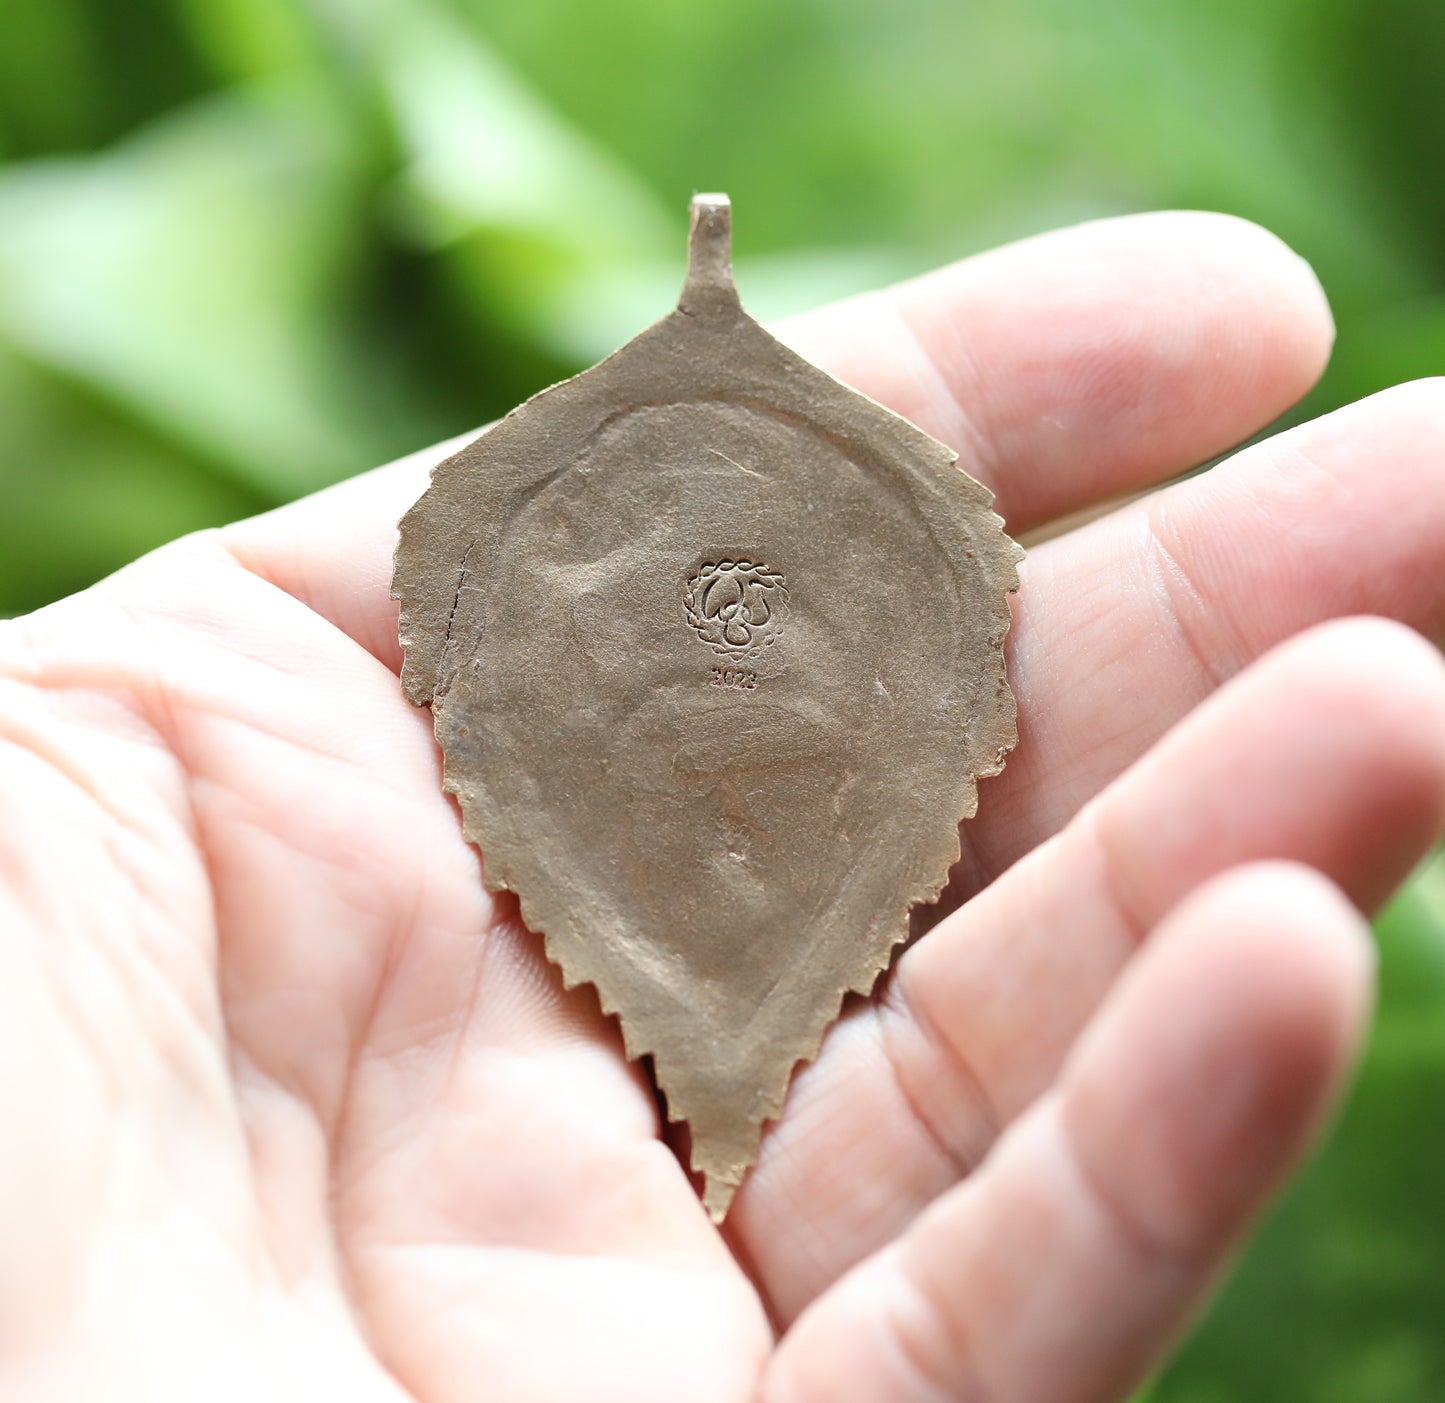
[[735, 605]]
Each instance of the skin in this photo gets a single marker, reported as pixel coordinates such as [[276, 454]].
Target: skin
[[295, 1109]]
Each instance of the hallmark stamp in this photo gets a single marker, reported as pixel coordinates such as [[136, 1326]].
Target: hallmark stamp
[[735, 605]]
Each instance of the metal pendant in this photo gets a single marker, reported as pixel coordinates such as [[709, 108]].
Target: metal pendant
[[714, 647]]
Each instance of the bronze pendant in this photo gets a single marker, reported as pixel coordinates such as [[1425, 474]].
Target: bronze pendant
[[715, 650]]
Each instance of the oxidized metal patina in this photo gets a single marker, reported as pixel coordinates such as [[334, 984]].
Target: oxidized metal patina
[[715, 651]]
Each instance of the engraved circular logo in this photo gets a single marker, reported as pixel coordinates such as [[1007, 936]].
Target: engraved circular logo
[[735, 604]]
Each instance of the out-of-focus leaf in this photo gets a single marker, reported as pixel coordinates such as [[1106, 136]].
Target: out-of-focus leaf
[[1390, 343], [483, 152], [529, 213], [250, 39], [180, 276], [81, 73], [84, 489], [1380, 64], [39, 40]]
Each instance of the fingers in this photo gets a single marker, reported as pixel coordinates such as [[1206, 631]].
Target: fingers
[[1125, 625], [1065, 369], [1090, 361], [1062, 1271], [1331, 751], [332, 550]]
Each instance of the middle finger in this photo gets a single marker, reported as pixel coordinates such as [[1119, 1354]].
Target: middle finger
[[1125, 625]]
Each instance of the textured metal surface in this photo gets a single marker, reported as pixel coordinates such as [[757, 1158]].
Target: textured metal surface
[[715, 651]]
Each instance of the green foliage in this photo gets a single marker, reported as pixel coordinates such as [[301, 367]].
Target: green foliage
[[250, 246]]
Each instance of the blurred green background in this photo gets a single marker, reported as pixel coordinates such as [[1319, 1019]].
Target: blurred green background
[[250, 246]]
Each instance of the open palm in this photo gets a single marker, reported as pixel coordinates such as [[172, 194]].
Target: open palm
[[293, 1108]]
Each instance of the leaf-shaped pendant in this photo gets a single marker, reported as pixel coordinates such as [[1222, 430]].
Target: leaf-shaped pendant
[[715, 650]]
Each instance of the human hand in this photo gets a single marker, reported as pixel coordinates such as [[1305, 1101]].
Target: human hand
[[293, 1107]]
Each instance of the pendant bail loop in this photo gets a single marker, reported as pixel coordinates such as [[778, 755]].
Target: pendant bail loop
[[709, 256]]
